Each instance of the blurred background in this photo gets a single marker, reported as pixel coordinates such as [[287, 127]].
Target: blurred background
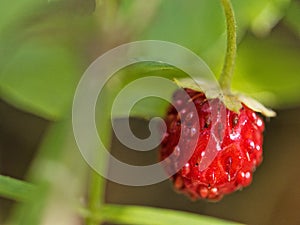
[[45, 46]]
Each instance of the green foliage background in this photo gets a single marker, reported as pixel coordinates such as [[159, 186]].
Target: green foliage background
[[45, 46]]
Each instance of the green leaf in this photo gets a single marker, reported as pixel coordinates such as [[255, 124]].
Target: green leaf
[[255, 105], [140, 215], [16, 189], [145, 108], [192, 25], [40, 79], [38, 65], [292, 18], [188, 83], [9, 11], [260, 16], [199, 24], [268, 69]]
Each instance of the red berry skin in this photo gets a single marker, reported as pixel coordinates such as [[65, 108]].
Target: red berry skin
[[234, 164]]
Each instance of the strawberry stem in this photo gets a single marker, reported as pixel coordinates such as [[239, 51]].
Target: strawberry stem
[[229, 63]]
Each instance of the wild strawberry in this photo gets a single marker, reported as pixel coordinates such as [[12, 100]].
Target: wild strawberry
[[239, 153], [222, 133]]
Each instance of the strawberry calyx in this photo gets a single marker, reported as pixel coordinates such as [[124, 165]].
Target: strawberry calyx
[[232, 101]]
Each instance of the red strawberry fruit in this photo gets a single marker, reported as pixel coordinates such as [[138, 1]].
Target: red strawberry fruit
[[239, 153], [213, 141]]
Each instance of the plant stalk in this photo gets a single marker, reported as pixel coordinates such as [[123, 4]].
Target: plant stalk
[[229, 63], [96, 192]]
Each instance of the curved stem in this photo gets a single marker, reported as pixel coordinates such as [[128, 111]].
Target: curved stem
[[229, 63]]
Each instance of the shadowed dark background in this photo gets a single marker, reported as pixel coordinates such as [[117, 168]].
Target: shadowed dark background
[[272, 198]]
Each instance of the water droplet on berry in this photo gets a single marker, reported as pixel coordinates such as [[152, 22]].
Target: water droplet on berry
[[203, 191], [185, 169], [247, 175], [182, 112], [253, 116], [177, 150], [250, 145], [244, 178], [260, 124], [235, 135], [189, 117], [213, 193], [258, 148]]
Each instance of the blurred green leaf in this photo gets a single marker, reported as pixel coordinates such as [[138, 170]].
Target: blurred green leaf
[[40, 79], [140, 215], [15, 189], [189, 24], [292, 18], [259, 15], [269, 69], [40, 76], [39, 67], [10, 12], [145, 108], [199, 24]]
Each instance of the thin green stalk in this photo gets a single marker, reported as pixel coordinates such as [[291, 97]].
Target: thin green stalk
[[97, 182], [143, 215], [228, 68], [96, 192], [16, 189]]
